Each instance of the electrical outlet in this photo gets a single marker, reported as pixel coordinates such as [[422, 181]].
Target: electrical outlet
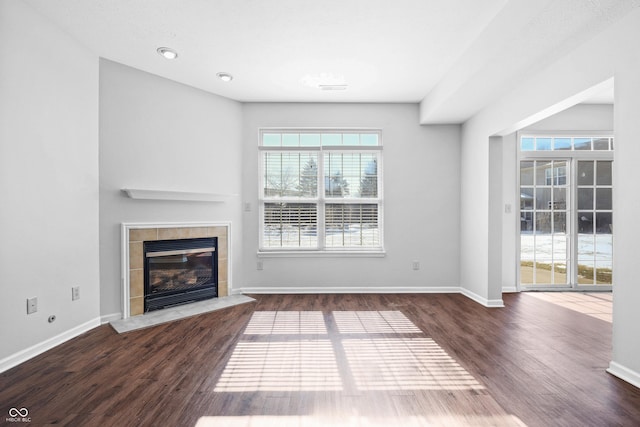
[[416, 265], [259, 265], [75, 293], [32, 305]]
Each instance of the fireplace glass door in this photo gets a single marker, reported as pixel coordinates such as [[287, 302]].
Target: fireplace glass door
[[179, 271]]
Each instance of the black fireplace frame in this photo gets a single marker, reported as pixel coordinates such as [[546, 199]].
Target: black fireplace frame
[[165, 299]]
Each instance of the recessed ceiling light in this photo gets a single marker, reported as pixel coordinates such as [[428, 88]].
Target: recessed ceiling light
[[167, 52], [225, 77]]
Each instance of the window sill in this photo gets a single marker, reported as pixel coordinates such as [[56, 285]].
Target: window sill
[[322, 254]]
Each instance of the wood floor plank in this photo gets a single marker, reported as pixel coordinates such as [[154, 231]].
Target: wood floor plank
[[532, 362]]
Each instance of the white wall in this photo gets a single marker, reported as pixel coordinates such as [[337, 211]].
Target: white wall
[[510, 220], [48, 184], [495, 225], [159, 134], [542, 95], [421, 203], [579, 118], [626, 175]]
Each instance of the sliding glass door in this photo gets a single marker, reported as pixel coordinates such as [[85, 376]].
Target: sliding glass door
[[594, 222], [566, 212], [544, 241]]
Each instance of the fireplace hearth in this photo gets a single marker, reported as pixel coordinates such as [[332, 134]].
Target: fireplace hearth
[[179, 271]]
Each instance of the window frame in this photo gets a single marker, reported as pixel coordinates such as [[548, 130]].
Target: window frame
[[321, 199], [572, 157]]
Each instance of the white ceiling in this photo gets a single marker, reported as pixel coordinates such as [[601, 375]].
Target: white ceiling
[[459, 54]]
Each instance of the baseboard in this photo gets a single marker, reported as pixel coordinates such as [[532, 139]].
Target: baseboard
[[33, 351], [509, 289], [372, 290], [624, 373], [350, 290], [108, 318], [491, 303]]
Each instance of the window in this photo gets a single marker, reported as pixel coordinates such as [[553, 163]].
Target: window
[[320, 190], [565, 143], [566, 211]]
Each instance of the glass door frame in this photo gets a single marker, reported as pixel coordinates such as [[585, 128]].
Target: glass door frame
[[571, 157]]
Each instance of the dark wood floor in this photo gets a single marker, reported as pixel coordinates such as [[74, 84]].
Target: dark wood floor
[[323, 360]]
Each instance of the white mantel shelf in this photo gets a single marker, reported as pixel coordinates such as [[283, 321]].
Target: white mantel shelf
[[175, 195]]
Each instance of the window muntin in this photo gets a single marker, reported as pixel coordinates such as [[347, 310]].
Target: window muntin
[[351, 174], [320, 139], [595, 222], [290, 174], [564, 143], [290, 225], [352, 225], [543, 222], [320, 190]]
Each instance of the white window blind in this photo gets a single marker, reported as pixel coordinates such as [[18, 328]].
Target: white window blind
[[321, 190], [290, 225]]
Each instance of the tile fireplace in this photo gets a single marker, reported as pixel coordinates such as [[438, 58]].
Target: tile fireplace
[[182, 258]]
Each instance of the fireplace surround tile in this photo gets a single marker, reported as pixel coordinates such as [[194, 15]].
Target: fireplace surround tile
[[136, 283], [137, 236], [136, 259], [137, 306], [143, 234], [217, 231], [182, 233], [222, 246]]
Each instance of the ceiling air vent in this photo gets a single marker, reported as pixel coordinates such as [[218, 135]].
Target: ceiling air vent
[[332, 87]]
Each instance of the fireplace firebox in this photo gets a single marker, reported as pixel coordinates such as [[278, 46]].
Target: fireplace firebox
[[179, 271]]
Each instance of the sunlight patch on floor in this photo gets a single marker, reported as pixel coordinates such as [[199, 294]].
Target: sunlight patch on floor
[[405, 364], [360, 421], [594, 304], [298, 365], [286, 322], [374, 322], [381, 350]]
